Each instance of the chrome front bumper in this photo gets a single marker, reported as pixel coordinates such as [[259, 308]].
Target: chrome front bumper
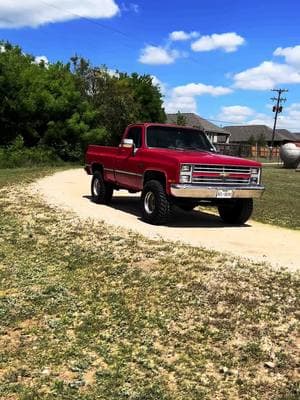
[[211, 192]]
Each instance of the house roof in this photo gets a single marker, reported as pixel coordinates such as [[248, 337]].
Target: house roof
[[296, 136], [242, 133], [197, 122], [286, 135]]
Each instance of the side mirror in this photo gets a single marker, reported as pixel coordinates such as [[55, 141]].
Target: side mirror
[[127, 143]]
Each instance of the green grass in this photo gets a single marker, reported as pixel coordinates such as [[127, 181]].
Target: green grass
[[91, 312], [280, 204]]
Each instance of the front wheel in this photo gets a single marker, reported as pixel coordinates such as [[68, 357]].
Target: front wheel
[[155, 204], [236, 211], [101, 191]]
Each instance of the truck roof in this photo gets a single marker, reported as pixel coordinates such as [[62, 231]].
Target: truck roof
[[147, 124]]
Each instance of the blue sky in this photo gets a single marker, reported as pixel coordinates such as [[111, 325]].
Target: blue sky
[[218, 58]]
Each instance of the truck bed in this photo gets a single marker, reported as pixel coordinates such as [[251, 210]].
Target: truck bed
[[103, 154]]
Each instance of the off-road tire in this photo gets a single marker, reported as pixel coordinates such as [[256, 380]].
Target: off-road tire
[[155, 204], [236, 211], [101, 191]]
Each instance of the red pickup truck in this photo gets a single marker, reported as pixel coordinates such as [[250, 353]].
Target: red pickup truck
[[174, 165]]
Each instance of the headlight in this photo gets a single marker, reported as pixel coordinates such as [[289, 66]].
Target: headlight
[[186, 168], [185, 175], [255, 176], [185, 178]]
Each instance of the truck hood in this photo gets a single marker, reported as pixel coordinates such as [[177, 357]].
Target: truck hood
[[203, 157]]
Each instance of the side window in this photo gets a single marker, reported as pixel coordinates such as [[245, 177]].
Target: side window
[[135, 133]]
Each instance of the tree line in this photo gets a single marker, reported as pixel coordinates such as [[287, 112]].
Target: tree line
[[63, 107]]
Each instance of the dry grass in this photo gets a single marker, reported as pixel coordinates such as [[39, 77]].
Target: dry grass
[[88, 312]]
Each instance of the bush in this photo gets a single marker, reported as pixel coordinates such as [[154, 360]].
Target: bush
[[17, 155]]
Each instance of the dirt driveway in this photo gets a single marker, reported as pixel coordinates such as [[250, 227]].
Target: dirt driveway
[[277, 246]]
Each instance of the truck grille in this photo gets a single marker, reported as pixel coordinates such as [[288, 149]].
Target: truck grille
[[221, 175]]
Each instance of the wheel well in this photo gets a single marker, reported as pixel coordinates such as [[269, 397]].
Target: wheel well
[[97, 167], [155, 175]]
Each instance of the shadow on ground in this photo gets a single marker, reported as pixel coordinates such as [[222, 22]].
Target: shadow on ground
[[179, 219]]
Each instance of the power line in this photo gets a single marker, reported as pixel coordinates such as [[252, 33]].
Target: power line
[[224, 122], [85, 18], [109, 28]]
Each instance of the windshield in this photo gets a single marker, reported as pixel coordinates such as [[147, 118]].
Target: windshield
[[178, 138]]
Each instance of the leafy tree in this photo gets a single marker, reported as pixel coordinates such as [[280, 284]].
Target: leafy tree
[[180, 119], [261, 140], [252, 140], [147, 96], [43, 105], [118, 98], [66, 107], [12, 65]]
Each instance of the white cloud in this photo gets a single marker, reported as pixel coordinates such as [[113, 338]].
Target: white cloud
[[289, 119], [291, 54], [198, 89], [180, 103], [130, 7], [41, 59], [183, 98], [174, 103], [238, 114], [157, 55], [33, 13], [266, 76], [182, 35], [228, 42], [262, 119]]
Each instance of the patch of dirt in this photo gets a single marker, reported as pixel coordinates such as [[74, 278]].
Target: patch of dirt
[[147, 264], [67, 376], [11, 340], [90, 376]]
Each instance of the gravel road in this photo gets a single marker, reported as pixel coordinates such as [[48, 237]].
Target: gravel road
[[259, 242]]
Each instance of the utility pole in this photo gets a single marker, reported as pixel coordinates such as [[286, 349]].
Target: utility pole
[[276, 109]]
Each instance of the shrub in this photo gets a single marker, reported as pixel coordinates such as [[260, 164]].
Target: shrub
[[17, 155]]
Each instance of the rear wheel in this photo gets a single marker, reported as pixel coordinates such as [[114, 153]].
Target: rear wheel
[[101, 191], [155, 204], [236, 211]]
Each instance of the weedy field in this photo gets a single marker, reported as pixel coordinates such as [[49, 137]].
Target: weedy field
[[90, 312]]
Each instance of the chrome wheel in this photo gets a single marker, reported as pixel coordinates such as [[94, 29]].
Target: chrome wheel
[[154, 203], [96, 186], [149, 202]]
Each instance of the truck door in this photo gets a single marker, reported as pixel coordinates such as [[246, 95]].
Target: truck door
[[128, 164]]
